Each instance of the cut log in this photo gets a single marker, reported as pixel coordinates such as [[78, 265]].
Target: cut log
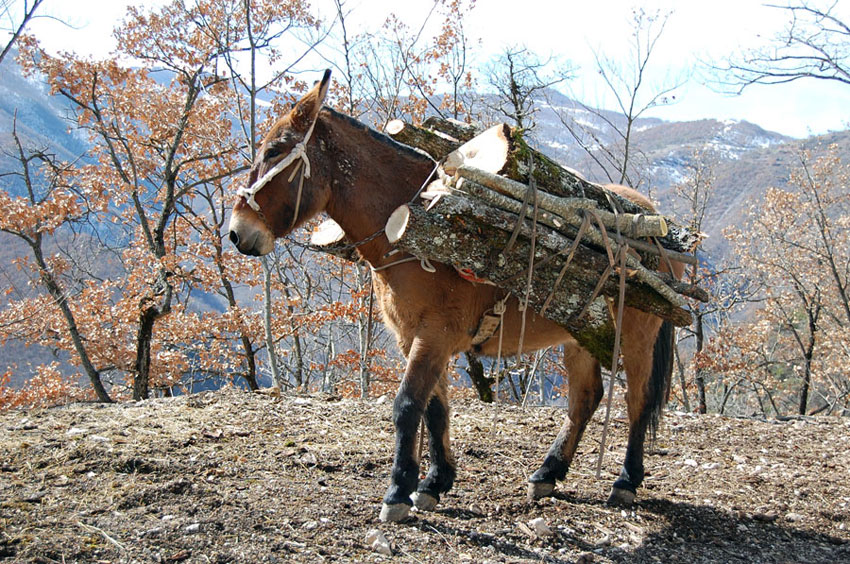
[[460, 243], [456, 225], [503, 152], [436, 144], [650, 253], [327, 233], [628, 224], [329, 238], [459, 130]]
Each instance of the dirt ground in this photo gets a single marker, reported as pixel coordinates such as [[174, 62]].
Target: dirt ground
[[230, 476]]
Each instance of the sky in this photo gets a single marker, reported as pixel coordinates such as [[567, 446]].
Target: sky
[[572, 31]]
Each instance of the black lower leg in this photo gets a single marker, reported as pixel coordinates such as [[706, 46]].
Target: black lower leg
[[631, 475], [555, 465], [405, 472], [441, 476]]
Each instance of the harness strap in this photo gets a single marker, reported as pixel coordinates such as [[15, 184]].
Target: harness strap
[[298, 152]]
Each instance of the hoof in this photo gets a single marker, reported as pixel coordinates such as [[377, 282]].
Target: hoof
[[621, 497], [424, 501], [537, 490], [394, 513]]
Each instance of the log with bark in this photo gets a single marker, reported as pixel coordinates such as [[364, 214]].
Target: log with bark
[[479, 219], [455, 226], [435, 143], [503, 152], [459, 130]]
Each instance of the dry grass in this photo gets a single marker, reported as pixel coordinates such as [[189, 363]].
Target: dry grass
[[236, 477]]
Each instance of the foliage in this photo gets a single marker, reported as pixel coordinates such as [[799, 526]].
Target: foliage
[[795, 249]]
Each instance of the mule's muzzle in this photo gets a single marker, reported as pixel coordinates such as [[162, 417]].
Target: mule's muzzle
[[249, 235], [245, 249]]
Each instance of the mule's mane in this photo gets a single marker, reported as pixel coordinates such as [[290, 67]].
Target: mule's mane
[[377, 135]]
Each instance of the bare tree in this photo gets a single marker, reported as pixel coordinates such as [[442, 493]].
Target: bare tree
[[626, 81], [519, 78], [812, 45], [696, 193], [14, 17]]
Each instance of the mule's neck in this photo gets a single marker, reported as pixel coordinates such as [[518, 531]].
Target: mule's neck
[[369, 175]]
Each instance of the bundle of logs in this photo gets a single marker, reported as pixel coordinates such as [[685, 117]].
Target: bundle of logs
[[502, 213]]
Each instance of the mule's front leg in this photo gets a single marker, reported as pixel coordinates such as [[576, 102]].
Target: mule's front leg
[[423, 371], [441, 476]]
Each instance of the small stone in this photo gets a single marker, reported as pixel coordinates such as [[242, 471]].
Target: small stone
[[382, 400], [378, 542], [308, 459], [793, 517], [540, 528], [310, 525], [690, 462], [192, 529], [766, 517]]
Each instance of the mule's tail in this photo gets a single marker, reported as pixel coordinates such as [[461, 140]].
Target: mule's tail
[[662, 371]]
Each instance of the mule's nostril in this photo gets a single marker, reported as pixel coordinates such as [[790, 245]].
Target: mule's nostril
[[234, 238]]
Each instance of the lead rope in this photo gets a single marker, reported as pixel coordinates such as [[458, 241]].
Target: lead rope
[[618, 330], [532, 183]]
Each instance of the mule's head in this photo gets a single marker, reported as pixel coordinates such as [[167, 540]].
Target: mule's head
[[279, 196]]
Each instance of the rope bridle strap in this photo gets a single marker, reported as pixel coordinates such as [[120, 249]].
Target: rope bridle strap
[[298, 153]]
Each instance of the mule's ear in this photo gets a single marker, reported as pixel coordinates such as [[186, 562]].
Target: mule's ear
[[323, 85], [305, 111]]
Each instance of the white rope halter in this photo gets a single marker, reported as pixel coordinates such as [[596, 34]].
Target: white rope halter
[[298, 152]]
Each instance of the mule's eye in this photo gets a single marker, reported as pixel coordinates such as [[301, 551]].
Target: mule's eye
[[271, 153]]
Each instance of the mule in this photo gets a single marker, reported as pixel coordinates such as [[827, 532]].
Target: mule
[[314, 160]]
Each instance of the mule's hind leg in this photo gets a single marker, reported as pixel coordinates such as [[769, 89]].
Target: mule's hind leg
[[424, 368], [441, 475], [585, 383], [647, 359]]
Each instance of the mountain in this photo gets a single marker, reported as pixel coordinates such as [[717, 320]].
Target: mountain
[[747, 159], [40, 120]]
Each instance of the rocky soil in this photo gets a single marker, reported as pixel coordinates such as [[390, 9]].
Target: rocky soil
[[229, 476]]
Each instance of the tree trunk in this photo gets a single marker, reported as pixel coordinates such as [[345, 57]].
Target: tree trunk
[[698, 375], [434, 143], [250, 363], [681, 369], [58, 295], [249, 354], [807, 370], [364, 333], [267, 325], [142, 366]]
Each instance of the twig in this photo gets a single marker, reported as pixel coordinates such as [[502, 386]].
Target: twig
[[93, 529]]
